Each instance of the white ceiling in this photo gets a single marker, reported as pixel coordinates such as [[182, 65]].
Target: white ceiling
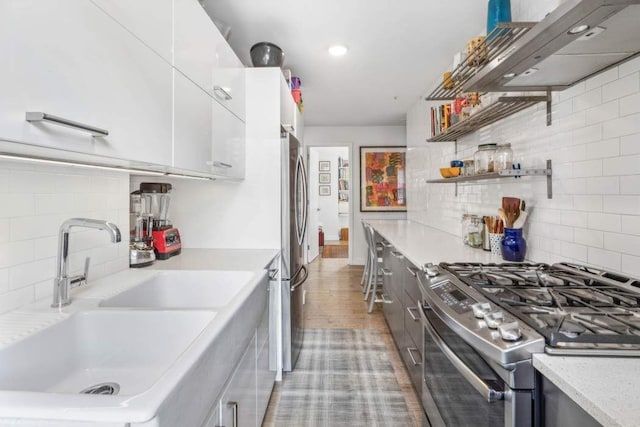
[[397, 50]]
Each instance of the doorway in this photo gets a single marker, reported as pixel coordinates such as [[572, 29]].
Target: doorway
[[330, 202]]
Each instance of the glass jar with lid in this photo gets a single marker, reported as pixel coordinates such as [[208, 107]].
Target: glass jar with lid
[[483, 158], [472, 226], [503, 158]]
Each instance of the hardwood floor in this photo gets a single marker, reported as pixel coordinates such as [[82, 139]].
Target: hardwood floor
[[335, 300]]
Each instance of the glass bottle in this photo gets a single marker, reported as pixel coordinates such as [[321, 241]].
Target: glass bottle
[[474, 232], [503, 158], [483, 158]]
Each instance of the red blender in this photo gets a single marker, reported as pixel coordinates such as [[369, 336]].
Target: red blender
[[166, 238]]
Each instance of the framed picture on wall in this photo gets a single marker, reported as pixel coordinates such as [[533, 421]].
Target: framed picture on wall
[[324, 165], [325, 190], [324, 178], [382, 179]]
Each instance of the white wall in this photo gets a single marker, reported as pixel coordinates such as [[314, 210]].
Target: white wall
[[356, 137], [328, 215], [34, 201], [594, 143]]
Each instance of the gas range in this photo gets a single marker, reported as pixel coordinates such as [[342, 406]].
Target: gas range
[[562, 308]]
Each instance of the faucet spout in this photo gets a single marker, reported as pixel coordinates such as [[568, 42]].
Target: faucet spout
[[63, 282]]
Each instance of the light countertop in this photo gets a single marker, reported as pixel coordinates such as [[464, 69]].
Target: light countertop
[[218, 259], [421, 244], [605, 387]]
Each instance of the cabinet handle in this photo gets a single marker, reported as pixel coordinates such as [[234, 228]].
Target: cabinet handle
[[386, 272], [234, 412], [222, 165], [386, 244], [409, 350], [414, 318], [225, 95], [397, 254], [412, 271], [37, 116]]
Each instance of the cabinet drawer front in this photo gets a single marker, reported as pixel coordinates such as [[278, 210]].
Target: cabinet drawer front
[[412, 323], [412, 357], [412, 289]]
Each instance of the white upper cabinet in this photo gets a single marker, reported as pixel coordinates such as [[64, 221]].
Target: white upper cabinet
[[228, 144], [69, 59], [203, 55], [149, 20]]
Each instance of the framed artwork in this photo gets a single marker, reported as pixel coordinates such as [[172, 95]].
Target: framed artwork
[[382, 179], [324, 165], [324, 178], [325, 190]]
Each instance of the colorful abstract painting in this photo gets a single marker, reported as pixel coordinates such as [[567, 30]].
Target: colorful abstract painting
[[382, 179]]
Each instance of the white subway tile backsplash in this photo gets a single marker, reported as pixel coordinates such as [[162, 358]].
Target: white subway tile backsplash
[[604, 222], [631, 265], [591, 203], [622, 87], [574, 218], [630, 144], [602, 113], [602, 79], [28, 274], [575, 90], [591, 238], [630, 104], [574, 251], [629, 67], [630, 225], [630, 184], [603, 149], [622, 126], [629, 205], [603, 185], [587, 134], [34, 201], [587, 168], [624, 165], [623, 243], [587, 100], [607, 259]]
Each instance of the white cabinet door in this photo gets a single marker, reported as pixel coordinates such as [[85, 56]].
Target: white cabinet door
[[214, 418], [202, 54], [265, 377], [193, 131], [228, 144], [238, 403], [149, 20], [69, 59]]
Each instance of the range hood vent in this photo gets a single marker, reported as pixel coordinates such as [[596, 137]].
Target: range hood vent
[[576, 41]]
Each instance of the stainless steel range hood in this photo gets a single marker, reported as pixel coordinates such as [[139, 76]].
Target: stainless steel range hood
[[554, 54]]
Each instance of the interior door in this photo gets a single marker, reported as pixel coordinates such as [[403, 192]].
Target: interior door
[[311, 246]]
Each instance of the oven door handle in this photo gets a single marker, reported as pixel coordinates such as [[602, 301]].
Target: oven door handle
[[476, 382]]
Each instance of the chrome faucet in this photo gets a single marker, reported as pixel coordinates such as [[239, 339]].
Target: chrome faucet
[[62, 283]]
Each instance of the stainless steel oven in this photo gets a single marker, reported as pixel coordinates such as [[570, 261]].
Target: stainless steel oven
[[462, 385]]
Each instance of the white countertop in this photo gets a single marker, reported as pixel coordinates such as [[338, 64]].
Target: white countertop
[[607, 388], [421, 244], [218, 259]]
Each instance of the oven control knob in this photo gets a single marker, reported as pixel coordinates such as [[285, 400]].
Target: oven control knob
[[494, 319], [510, 331], [480, 309], [431, 270]]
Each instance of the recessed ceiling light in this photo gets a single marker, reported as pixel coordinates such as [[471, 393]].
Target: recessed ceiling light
[[338, 50], [579, 29], [509, 75]]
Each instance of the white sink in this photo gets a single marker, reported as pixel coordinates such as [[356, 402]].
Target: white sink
[[183, 289], [131, 349]]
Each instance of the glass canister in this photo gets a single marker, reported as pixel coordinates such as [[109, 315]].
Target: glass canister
[[472, 226], [503, 158], [483, 158]]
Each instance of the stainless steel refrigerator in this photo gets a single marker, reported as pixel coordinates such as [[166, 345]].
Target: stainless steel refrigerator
[[293, 272]]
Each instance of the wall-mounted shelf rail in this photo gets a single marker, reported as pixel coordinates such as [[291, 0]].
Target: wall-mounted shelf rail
[[505, 173], [497, 44], [503, 107]]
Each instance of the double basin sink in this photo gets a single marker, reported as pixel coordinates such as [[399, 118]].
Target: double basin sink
[[114, 350]]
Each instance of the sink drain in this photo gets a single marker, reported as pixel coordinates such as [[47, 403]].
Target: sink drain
[[103, 388]]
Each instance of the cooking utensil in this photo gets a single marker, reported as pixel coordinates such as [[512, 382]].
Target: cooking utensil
[[519, 223], [265, 54]]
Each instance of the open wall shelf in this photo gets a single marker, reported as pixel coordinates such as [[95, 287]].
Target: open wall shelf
[[497, 44], [505, 106], [505, 173]]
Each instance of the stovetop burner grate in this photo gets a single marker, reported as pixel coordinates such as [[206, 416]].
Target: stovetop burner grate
[[570, 305]]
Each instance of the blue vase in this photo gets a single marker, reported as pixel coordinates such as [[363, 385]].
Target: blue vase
[[499, 11], [513, 245]]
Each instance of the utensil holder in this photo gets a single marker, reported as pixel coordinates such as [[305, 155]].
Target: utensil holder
[[495, 239], [513, 245]]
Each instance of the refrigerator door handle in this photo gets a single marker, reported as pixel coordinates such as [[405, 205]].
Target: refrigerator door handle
[[299, 282], [300, 190]]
